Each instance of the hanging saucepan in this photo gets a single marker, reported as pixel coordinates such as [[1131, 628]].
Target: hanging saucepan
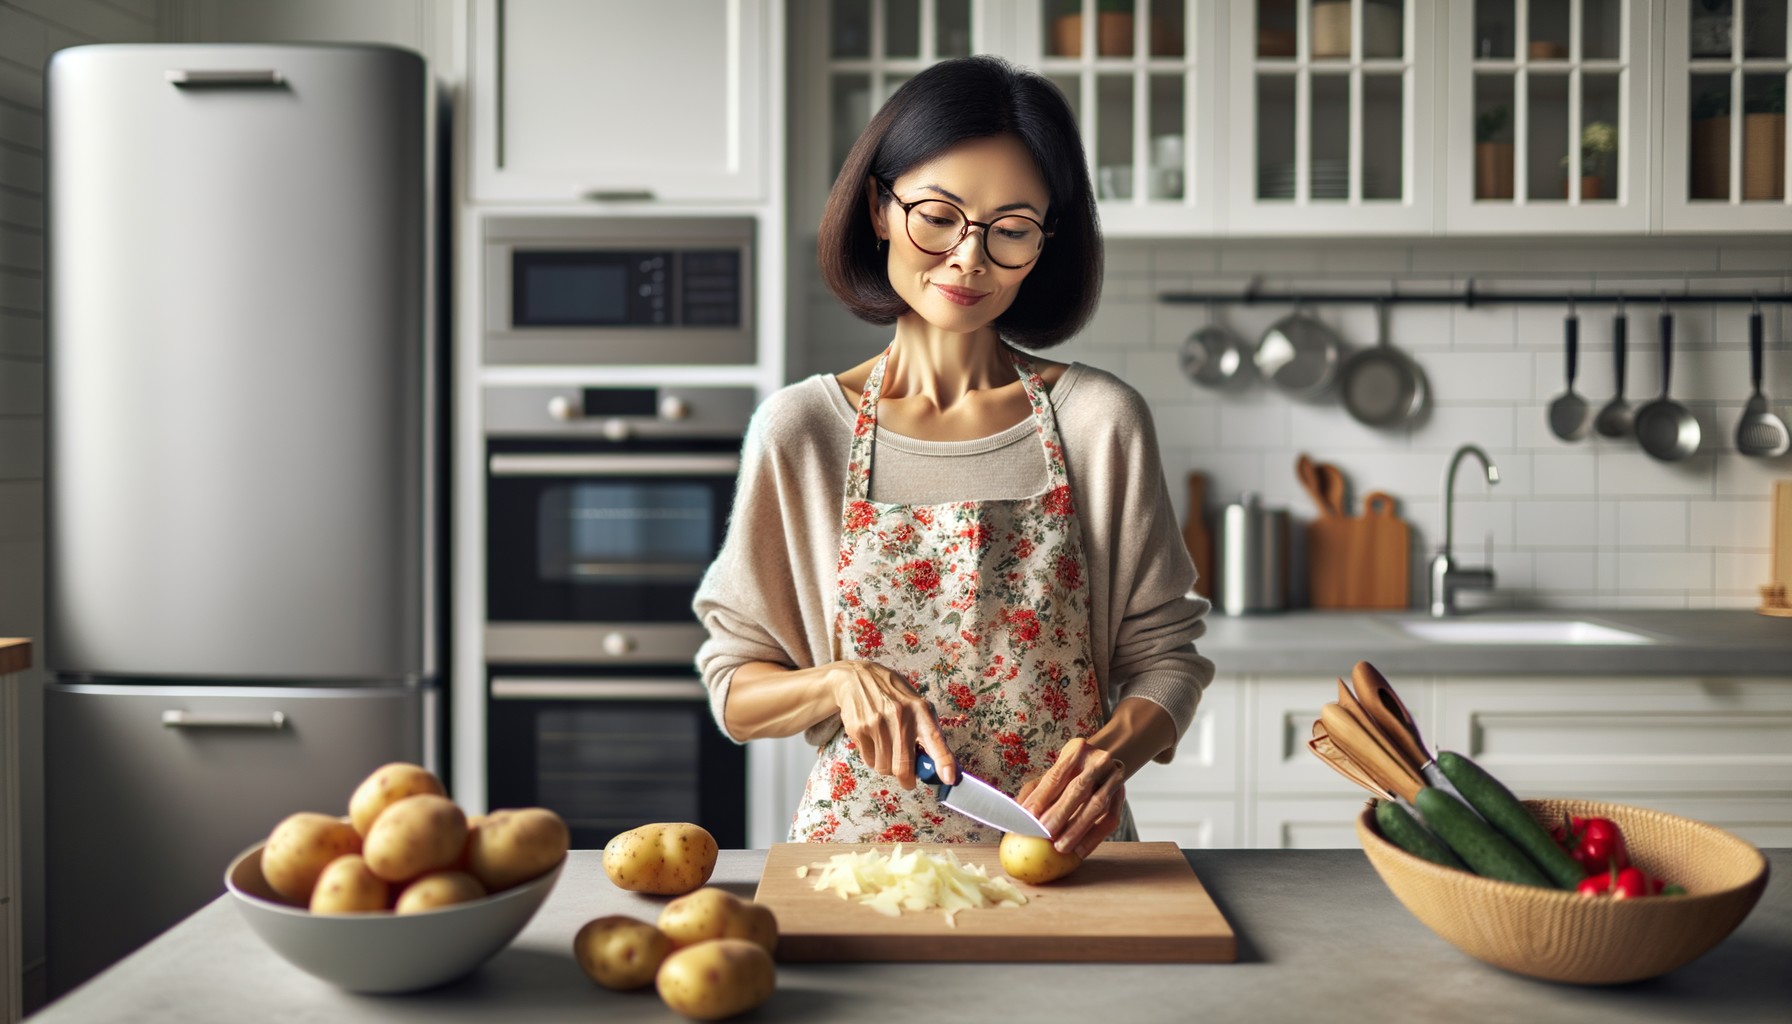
[[1298, 354], [1214, 357], [1381, 386], [1665, 428]]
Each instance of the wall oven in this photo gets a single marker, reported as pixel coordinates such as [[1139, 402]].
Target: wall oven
[[619, 290], [604, 506]]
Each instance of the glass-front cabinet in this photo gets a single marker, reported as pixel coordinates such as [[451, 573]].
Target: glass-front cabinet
[[1330, 112], [1139, 75], [1550, 127], [1725, 67]]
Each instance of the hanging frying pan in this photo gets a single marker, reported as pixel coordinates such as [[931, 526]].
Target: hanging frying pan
[[1214, 357], [1381, 386]]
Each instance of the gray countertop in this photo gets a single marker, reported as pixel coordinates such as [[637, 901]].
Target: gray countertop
[[1319, 937], [1708, 642]]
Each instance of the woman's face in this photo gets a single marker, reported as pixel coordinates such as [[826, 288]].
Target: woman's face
[[961, 290]]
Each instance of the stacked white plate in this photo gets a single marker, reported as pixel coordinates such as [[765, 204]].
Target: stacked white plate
[[1329, 179]]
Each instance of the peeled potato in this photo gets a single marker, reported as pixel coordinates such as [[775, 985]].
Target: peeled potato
[[438, 889], [299, 849], [620, 952], [414, 836], [385, 787], [512, 846], [718, 914], [347, 887], [1033, 860], [717, 979]]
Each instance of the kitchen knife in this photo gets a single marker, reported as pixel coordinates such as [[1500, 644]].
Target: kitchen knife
[[978, 800]]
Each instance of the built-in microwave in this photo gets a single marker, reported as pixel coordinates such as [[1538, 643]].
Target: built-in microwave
[[612, 291]]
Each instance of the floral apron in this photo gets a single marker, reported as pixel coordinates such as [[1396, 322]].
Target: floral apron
[[983, 608]]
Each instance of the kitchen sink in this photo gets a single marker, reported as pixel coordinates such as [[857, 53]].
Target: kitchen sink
[[1518, 631]]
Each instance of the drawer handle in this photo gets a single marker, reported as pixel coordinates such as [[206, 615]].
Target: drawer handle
[[187, 79], [614, 688], [620, 195], [271, 721]]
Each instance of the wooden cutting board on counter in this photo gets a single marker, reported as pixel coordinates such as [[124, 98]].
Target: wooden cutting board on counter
[[1128, 903], [1379, 549]]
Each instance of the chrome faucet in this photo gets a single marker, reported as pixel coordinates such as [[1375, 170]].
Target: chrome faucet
[[1446, 576]]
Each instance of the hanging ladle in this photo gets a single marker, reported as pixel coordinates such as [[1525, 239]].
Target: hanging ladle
[[1759, 432], [1666, 429], [1568, 413], [1614, 419]]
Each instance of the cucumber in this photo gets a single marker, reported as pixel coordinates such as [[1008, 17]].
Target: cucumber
[[1400, 829], [1490, 854], [1503, 811]]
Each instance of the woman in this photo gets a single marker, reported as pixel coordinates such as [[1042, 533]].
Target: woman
[[1009, 592]]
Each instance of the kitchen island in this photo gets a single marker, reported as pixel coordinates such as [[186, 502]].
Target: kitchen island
[[1319, 938]]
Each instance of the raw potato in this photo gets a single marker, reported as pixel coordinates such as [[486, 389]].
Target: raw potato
[[620, 952], [716, 979], [1033, 860], [347, 887], [299, 849], [385, 787], [414, 836], [718, 914], [438, 889], [666, 858], [512, 846]]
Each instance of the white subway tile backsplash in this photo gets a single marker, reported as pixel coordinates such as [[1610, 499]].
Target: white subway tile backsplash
[[1652, 524], [1564, 473], [1736, 523], [1739, 476], [1183, 258], [1255, 421], [1743, 256], [1122, 323], [1445, 427], [1742, 572], [1565, 571], [1631, 473], [1665, 571], [1558, 524], [1484, 326], [1479, 376]]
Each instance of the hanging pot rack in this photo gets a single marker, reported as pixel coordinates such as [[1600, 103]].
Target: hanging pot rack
[[1468, 297]]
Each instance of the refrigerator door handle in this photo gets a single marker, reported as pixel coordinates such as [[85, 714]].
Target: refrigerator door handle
[[188, 79], [270, 720], [614, 465]]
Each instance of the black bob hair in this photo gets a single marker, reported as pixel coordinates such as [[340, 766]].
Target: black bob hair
[[953, 101]]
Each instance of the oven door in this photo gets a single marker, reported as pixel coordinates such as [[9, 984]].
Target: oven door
[[609, 751], [604, 535]]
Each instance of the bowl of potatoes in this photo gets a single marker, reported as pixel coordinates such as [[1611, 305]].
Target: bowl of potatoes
[[405, 892]]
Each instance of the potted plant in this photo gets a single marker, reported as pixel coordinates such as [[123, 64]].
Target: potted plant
[[1493, 154], [1598, 146], [1113, 28]]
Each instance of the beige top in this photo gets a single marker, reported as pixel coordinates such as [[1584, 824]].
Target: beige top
[[769, 595]]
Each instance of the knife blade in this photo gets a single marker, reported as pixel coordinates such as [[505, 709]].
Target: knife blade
[[980, 801]]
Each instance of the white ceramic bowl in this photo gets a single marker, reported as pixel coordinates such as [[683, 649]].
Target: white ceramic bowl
[[385, 952]]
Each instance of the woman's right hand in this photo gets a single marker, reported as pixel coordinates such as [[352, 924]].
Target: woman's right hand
[[886, 720]]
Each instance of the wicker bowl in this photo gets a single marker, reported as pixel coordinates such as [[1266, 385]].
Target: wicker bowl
[[1563, 936]]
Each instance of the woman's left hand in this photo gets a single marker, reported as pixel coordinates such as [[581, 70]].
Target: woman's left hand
[[1080, 798]]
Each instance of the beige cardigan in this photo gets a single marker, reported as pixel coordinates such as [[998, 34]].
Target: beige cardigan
[[769, 595]]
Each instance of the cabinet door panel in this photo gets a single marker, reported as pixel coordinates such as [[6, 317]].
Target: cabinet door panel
[[1317, 824], [1207, 758], [587, 99], [1283, 722], [1189, 823], [1575, 737]]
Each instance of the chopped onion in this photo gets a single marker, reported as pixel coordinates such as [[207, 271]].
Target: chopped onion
[[897, 881]]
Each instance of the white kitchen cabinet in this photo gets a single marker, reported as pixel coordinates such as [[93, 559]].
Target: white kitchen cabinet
[[1723, 113], [1331, 117], [621, 103], [1282, 723], [1541, 95], [1310, 823]]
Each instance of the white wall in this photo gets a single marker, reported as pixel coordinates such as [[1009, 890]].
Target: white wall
[[30, 30], [1592, 524]]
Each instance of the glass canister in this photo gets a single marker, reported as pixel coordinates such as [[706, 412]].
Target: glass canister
[[1253, 562]]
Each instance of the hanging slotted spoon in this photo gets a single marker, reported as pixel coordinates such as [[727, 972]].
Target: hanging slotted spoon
[[1759, 432]]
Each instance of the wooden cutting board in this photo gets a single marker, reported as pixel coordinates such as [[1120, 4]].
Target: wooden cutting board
[[1378, 547], [1128, 903]]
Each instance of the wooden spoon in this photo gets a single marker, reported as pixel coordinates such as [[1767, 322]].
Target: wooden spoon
[[1361, 747], [1390, 713], [1347, 700], [1321, 744]]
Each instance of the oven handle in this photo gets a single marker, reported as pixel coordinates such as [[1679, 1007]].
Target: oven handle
[[608, 688], [614, 465]]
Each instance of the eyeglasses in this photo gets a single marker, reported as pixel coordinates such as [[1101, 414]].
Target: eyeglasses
[[937, 227]]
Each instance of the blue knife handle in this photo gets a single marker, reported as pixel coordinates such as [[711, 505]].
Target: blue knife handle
[[928, 773]]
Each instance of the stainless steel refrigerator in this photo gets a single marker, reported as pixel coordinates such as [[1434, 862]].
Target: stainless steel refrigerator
[[242, 603]]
